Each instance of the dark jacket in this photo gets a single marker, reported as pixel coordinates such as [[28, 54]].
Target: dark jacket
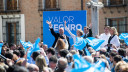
[[57, 35], [89, 34]]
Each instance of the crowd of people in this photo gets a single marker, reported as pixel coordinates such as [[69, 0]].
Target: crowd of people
[[59, 57]]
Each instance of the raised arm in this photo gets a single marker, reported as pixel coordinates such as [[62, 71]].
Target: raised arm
[[67, 29], [90, 31], [51, 29]]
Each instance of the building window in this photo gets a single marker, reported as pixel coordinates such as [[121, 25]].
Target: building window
[[119, 23], [49, 5], [12, 4], [11, 32], [115, 2], [9, 5]]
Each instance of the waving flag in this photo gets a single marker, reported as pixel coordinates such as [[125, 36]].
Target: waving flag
[[94, 43], [124, 36], [80, 62], [26, 44], [80, 43], [1, 44], [81, 65], [34, 48], [98, 67]]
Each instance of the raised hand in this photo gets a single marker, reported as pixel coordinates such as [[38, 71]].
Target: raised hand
[[48, 22], [90, 25], [65, 23]]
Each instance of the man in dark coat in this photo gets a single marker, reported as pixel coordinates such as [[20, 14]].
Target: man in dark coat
[[58, 35], [87, 33]]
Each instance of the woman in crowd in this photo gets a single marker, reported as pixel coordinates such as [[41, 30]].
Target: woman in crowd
[[60, 45], [113, 41], [79, 33], [41, 63]]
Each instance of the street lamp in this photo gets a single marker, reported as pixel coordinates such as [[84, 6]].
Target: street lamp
[[95, 6]]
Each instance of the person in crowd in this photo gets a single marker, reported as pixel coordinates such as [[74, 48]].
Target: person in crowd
[[105, 36], [12, 46], [50, 52], [118, 66], [41, 44], [122, 52], [111, 55], [32, 68], [87, 31], [73, 52], [113, 41], [33, 57], [22, 55], [79, 33], [124, 68], [16, 68], [59, 35], [53, 62], [89, 59], [63, 53], [70, 62], [45, 47], [41, 62], [116, 59], [4, 49], [61, 65], [60, 45]]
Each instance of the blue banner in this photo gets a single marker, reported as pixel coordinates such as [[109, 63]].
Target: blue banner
[[26, 44], [1, 44], [75, 20], [34, 48], [80, 43], [94, 42], [124, 36], [80, 62]]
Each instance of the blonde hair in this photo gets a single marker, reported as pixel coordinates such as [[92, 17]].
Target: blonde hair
[[60, 44], [114, 30], [41, 62], [81, 32]]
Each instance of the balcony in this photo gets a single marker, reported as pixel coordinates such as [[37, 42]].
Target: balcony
[[48, 5], [7, 6], [115, 3]]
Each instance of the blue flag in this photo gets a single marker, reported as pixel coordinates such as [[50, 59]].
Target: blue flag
[[124, 36], [26, 44], [80, 62], [1, 44], [99, 66], [126, 40], [34, 48], [94, 42], [80, 43], [36, 45]]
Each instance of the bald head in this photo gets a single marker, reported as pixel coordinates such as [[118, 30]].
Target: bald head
[[62, 63], [33, 67], [61, 31], [103, 49]]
